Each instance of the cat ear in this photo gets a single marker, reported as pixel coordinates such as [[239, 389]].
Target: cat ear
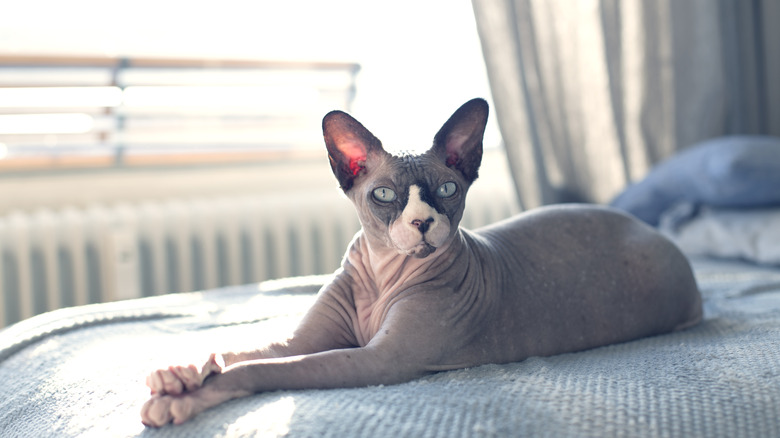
[[349, 145], [459, 141]]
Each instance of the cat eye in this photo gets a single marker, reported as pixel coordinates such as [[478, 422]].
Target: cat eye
[[446, 190], [384, 194]]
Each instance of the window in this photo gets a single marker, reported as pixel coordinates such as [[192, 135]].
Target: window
[[72, 112]]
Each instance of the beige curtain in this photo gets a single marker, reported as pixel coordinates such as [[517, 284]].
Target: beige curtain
[[590, 94]]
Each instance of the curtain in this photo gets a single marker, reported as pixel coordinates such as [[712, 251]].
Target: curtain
[[589, 94]]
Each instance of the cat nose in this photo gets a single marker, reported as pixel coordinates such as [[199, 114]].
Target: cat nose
[[422, 225]]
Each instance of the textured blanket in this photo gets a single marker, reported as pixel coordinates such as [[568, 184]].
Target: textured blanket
[[81, 371]]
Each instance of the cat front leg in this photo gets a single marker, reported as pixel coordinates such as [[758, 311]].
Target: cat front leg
[[326, 326], [410, 344], [178, 379], [330, 369]]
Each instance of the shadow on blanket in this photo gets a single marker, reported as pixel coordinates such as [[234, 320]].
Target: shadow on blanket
[[80, 371]]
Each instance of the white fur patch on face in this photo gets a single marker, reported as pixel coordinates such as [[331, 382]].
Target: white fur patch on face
[[406, 234]]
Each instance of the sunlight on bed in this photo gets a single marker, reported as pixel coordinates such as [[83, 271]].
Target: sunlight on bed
[[102, 426], [271, 419], [103, 365], [258, 308]]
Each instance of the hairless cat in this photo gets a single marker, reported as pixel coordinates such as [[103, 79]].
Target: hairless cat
[[416, 294]]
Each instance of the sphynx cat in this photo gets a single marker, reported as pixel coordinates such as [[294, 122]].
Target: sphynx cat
[[418, 295]]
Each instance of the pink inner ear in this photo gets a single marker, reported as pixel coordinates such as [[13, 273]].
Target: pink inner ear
[[356, 165], [454, 147], [355, 153], [455, 142], [452, 158]]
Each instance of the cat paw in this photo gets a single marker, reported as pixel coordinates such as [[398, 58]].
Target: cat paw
[[176, 380], [163, 409]]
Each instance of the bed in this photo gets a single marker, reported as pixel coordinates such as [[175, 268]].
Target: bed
[[80, 371]]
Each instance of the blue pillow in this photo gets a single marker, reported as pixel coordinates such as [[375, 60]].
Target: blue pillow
[[729, 172]]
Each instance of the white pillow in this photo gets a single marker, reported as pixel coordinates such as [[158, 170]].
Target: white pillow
[[749, 234]]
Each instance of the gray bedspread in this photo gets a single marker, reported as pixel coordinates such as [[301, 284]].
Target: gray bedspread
[[81, 371]]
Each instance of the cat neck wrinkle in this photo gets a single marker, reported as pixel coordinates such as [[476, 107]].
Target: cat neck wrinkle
[[390, 270], [383, 270], [381, 274]]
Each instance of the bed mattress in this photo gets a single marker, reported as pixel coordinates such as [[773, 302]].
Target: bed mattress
[[81, 371]]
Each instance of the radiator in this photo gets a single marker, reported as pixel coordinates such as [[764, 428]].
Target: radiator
[[53, 259]]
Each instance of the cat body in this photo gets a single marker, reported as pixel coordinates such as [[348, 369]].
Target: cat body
[[416, 294]]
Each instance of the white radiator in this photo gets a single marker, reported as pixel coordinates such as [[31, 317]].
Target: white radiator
[[53, 259]]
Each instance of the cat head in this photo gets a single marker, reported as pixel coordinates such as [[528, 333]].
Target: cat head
[[411, 203]]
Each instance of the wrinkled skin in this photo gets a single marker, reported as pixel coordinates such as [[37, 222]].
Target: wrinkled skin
[[417, 295]]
